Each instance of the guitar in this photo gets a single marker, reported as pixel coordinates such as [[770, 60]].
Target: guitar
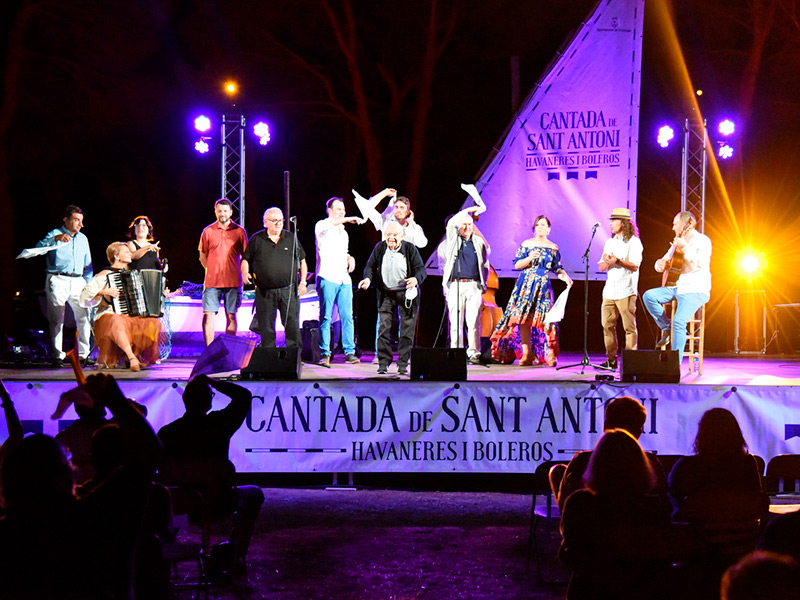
[[674, 265]]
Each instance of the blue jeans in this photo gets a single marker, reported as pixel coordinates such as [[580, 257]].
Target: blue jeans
[[688, 304], [341, 295]]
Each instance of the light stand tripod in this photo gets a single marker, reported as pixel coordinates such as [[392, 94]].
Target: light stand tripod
[[586, 361]]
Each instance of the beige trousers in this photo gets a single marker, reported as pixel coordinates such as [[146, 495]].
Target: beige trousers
[[610, 311]]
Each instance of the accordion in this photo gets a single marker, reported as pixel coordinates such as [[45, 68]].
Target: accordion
[[141, 293]]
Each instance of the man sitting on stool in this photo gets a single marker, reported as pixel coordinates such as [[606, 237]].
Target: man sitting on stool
[[693, 288]]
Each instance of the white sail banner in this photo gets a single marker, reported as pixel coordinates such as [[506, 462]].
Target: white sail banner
[[571, 151]]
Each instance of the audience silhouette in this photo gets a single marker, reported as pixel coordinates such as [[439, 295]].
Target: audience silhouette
[[625, 413], [14, 427], [608, 527], [762, 575], [720, 462], [56, 545], [196, 454], [77, 438], [782, 535]]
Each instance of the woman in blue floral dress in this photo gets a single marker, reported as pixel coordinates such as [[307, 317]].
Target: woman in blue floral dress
[[523, 320]]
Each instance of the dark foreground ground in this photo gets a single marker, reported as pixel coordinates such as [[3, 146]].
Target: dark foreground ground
[[319, 544]]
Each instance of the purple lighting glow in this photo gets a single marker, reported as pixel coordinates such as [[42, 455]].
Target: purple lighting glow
[[665, 136], [201, 146], [724, 151], [261, 129], [202, 123], [727, 127]]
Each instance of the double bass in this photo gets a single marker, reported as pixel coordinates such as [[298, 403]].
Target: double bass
[[490, 312]]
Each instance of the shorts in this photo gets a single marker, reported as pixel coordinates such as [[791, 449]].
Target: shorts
[[211, 299]]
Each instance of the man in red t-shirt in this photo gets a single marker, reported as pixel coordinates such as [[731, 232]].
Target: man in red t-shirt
[[221, 247]]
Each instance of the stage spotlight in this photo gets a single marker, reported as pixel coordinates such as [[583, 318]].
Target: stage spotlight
[[201, 145], [665, 135], [202, 123], [727, 127], [699, 92], [231, 88], [724, 151], [750, 263], [261, 129]]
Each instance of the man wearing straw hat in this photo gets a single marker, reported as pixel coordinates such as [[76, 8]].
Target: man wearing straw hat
[[622, 255]]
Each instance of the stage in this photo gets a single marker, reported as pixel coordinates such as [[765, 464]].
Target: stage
[[502, 419], [732, 370]]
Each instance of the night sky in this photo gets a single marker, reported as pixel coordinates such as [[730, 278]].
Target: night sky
[[98, 99]]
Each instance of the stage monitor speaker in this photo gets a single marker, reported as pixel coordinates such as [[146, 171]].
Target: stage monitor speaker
[[650, 366], [274, 363], [439, 364]]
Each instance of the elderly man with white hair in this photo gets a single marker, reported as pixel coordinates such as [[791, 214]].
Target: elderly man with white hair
[[466, 269], [397, 270], [271, 261]]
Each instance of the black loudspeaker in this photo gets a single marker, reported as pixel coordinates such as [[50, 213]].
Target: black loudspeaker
[[310, 338], [274, 363], [439, 364], [650, 366]]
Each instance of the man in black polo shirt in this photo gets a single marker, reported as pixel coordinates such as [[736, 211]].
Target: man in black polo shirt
[[271, 261]]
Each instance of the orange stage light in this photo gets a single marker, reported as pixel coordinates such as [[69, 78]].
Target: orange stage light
[[231, 88], [750, 263]]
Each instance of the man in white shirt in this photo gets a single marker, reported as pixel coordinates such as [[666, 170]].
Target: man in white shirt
[[397, 211], [334, 286], [693, 288], [622, 257]]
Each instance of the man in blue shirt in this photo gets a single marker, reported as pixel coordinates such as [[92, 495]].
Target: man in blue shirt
[[464, 276], [69, 269]]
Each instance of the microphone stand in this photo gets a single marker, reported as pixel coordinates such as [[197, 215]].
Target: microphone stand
[[585, 361], [293, 287], [457, 266]]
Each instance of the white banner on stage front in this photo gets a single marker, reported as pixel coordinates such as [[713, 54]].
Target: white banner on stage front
[[368, 426]]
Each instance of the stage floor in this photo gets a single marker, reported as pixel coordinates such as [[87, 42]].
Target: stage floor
[[742, 369]]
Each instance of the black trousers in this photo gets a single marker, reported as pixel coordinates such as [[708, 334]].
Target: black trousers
[[271, 302], [391, 302]]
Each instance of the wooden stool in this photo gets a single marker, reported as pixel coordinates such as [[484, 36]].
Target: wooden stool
[[695, 336]]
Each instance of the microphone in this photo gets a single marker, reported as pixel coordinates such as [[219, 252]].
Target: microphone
[[596, 225], [294, 220]]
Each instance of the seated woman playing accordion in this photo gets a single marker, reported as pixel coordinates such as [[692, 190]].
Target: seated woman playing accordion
[[119, 336]]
